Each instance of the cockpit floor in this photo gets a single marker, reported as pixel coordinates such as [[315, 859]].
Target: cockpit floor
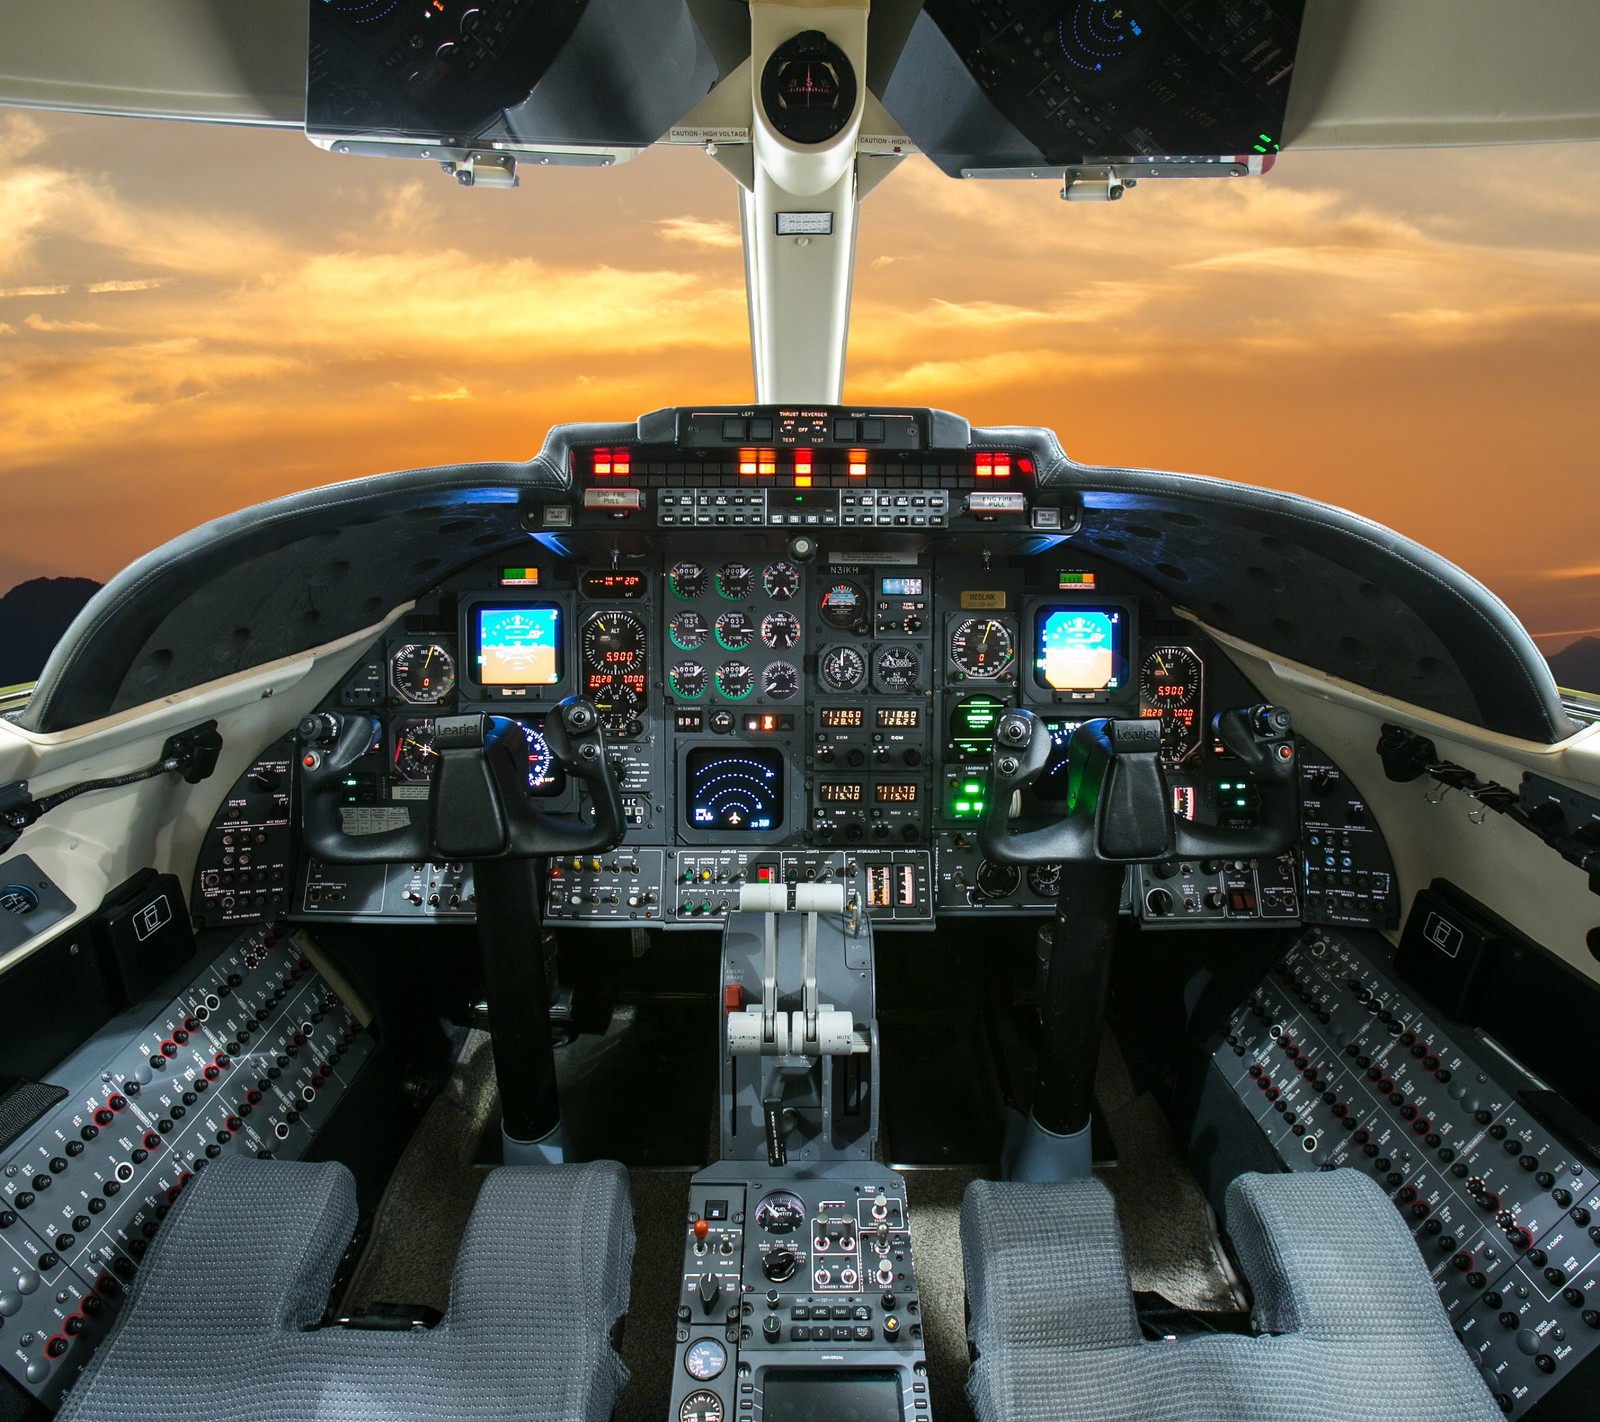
[[1168, 1228]]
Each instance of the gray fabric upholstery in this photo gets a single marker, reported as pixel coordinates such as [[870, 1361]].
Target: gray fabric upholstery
[[213, 1327], [1351, 1327]]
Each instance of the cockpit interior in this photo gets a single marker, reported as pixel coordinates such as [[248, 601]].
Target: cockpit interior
[[507, 940]]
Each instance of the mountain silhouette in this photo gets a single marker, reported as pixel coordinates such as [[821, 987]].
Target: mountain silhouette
[[1577, 667], [33, 615]]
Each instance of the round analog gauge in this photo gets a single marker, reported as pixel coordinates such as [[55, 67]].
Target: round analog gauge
[[619, 706], [843, 668], [734, 581], [423, 673], [735, 631], [687, 580], [613, 642], [780, 630], [995, 881], [842, 604], [415, 754], [701, 1406], [1171, 681], [687, 679], [705, 1360], [735, 680], [982, 648], [781, 1212], [1045, 880], [541, 763], [779, 681], [688, 631], [1170, 676], [896, 668], [781, 581]]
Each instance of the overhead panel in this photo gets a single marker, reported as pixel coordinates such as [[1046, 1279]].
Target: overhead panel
[[508, 75], [1172, 87]]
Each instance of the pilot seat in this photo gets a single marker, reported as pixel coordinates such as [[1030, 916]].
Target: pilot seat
[[241, 1274]]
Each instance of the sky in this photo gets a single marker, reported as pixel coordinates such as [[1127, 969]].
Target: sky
[[194, 318]]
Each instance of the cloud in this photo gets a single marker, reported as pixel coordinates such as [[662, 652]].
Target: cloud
[[700, 233], [35, 322], [34, 291], [141, 284], [459, 393]]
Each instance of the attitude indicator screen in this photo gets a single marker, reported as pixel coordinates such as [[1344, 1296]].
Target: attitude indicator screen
[[518, 646], [1080, 651]]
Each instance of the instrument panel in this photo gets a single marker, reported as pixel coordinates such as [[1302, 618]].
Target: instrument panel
[[776, 709]]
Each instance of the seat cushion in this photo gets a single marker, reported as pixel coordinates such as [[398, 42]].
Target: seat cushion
[[1351, 1326], [214, 1328]]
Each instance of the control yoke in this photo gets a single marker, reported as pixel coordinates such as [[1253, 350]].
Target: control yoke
[[1118, 808], [478, 806]]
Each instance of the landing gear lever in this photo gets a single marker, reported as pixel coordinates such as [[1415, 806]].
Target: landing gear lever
[[1118, 812]]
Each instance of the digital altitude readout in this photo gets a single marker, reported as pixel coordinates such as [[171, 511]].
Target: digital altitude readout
[[902, 792], [896, 718], [839, 792], [842, 718]]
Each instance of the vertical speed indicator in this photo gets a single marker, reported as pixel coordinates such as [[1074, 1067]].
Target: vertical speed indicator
[[1172, 690]]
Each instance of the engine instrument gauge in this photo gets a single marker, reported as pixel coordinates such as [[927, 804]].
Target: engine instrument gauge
[[781, 581], [705, 1359], [687, 679], [843, 668], [415, 753], [735, 631], [842, 605], [1171, 689], [982, 649], [734, 581], [613, 642], [701, 1406], [896, 668], [735, 680], [780, 630], [423, 673], [688, 630], [687, 580], [780, 681]]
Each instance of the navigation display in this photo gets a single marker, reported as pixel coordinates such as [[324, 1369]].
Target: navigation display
[[1080, 651], [517, 645]]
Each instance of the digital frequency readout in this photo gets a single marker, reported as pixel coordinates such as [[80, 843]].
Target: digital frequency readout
[[841, 718], [839, 792], [895, 793], [898, 718]]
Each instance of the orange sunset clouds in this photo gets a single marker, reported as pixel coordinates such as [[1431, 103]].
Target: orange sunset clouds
[[193, 319]]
